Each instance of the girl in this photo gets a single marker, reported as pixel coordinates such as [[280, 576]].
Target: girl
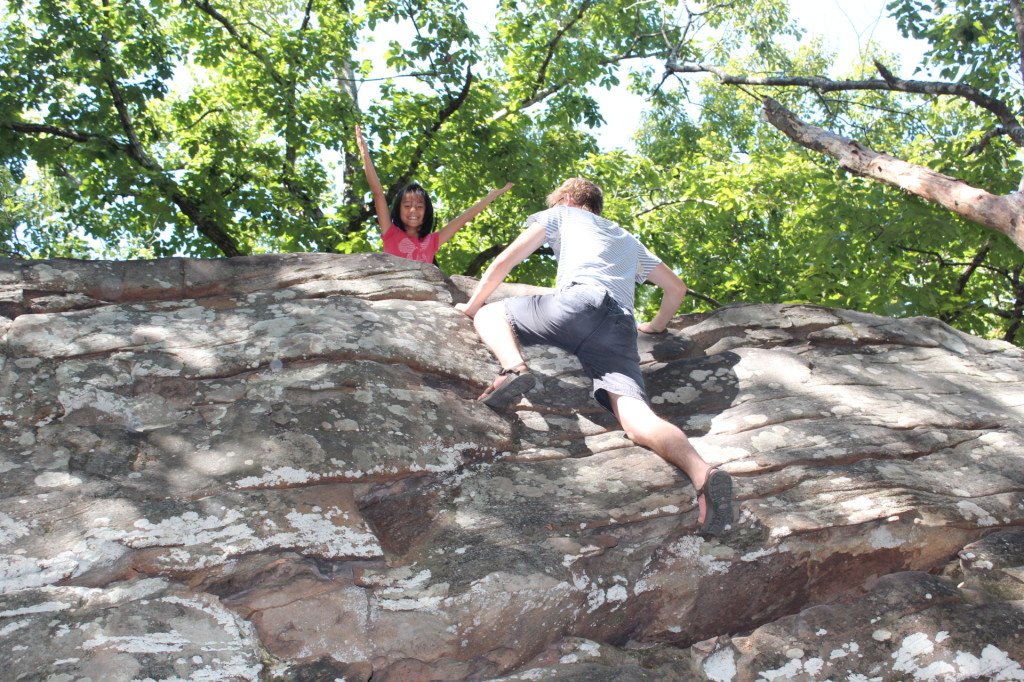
[[407, 228]]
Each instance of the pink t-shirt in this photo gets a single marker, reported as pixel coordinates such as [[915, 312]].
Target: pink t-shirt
[[398, 243]]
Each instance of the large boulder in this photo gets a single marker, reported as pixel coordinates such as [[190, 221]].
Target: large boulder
[[274, 468]]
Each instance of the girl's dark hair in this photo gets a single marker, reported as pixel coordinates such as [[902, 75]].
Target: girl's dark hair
[[428, 216]]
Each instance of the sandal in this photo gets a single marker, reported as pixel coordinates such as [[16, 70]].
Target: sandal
[[515, 384], [717, 492]]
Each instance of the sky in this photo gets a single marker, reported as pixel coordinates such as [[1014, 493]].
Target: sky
[[848, 25]]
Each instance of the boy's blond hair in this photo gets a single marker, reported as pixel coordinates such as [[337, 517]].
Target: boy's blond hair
[[583, 194]]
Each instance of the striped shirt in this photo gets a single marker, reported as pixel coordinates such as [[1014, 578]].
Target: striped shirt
[[594, 250]]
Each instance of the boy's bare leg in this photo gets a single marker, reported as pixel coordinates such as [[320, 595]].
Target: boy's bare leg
[[494, 329], [496, 333], [647, 429]]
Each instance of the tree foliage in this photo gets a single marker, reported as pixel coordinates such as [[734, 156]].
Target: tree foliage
[[953, 141], [216, 127]]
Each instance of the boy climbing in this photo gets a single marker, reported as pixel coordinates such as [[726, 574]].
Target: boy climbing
[[407, 227], [590, 315]]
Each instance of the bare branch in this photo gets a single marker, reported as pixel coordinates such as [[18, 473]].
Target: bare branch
[[693, 293], [1004, 214]]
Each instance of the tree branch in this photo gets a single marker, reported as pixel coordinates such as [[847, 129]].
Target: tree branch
[[207, 8], [994, 106], [164, 184], [310, 208], [479, 262], [1004, 214], [541, 95], [673, 202], [287, 178], [428, 137], [1017, 315], [308, 16], [702, 297], [980, 145], [134, 148], [73, 135], [411, 74], [965, 276], [969, 268], [552, 48], [889, 83]]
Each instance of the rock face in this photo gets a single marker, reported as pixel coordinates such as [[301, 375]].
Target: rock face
[[273, 468]]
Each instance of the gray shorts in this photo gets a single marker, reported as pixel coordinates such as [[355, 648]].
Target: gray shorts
[[586, 321]]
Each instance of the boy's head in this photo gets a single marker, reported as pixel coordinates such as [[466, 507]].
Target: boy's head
[[578, 192]]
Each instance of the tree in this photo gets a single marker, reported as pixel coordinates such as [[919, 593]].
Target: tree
[[843, 239], [215, 127], [89, 98], [972, 39], [27, 225]]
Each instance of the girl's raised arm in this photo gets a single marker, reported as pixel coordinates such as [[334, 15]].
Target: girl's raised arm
[[379, 202], [449, 230]]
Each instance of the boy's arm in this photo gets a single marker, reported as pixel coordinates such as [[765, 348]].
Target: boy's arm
[[449, 230], [528, 241], [380, 203], [673, 293]]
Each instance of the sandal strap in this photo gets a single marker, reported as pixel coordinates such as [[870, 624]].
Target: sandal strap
[[505, 371], [706, 479]]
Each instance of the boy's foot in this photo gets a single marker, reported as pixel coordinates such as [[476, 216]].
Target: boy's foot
[[717, 494], [507, 386]]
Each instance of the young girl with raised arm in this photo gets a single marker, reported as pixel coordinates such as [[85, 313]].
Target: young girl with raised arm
[[407, 228]]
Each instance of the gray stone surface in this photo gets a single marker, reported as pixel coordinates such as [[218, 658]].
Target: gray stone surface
[[273, 468]]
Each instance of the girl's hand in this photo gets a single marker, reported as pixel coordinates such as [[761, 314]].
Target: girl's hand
[[464, 308], [499, 192]]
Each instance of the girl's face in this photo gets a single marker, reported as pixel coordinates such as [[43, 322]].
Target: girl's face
[[411, 211]]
